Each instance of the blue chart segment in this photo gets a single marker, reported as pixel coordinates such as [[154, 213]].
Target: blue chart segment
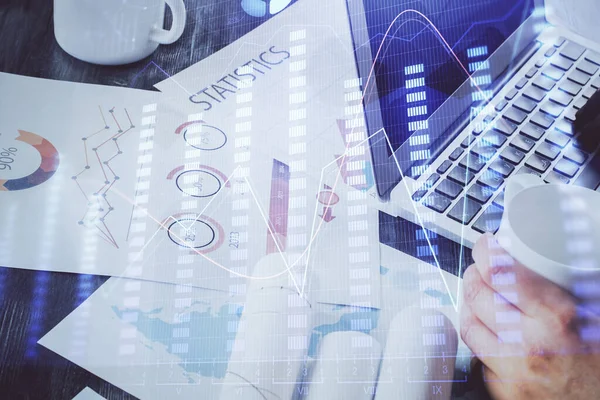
[[438, 36]]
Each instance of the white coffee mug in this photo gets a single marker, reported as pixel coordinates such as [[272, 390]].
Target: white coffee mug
[[554, 230], [113, 32]]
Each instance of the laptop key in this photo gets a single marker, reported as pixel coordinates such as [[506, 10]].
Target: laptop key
[[570, 114], [541, 62], [555, 177], [572, 51], [565, 127], [501, 105], [522, 143], [538, 163], [464, 211], [544, 83], [445, 166], [461, 176], [579, 77], [560, 41], [570, 87], [531, 73], [455, 155], [577, 156], [472, 162], [579, 103], [596, 83], [502, 167], [419, 194], [566, 168], [478, 129], [552, 109], [484, 152], [533, 131], [557, 138], [493, 138], [449, 189], [562, 98], [480, 193], [511, 94], [491, 179], [489, 221], [489, 118], [515, 115], [563, 63], [590, 176], [512, 155], [524, 104], [534, 93], [550, 52], [468, 140], [542, 120], [437, 202], [521, 83], [589, 92], [548, 150], [592, 56], [553, 73], [432, 180], [499, 200], [527, 170], [588, 67], [505, 126]]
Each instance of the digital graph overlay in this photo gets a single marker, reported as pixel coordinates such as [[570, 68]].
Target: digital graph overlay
[[342, 160], [100, 148]]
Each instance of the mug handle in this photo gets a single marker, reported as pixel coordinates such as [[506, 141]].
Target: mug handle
[[517, 183], [164, 36]]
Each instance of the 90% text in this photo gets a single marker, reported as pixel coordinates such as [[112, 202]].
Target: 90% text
[[7, 157]]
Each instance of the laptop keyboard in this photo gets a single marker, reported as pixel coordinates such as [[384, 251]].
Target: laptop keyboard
[[531, 132]]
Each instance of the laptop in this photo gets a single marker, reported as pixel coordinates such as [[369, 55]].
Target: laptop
[[460, 95]]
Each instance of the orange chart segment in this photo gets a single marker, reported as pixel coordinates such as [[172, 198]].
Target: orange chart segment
[[48, 166]]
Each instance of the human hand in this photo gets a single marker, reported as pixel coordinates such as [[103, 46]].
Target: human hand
[[528, 332]]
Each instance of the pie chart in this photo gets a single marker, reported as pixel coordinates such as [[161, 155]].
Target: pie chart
[[10, 156]]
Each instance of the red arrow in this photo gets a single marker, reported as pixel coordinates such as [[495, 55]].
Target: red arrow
[[327, 214]]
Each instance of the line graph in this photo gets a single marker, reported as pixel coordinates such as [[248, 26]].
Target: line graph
[[97, 164]]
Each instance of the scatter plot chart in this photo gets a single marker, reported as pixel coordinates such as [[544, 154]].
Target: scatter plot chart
[[97, 178]]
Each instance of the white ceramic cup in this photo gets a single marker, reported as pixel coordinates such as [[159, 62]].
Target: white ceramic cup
[[114, 32], [554, 230]]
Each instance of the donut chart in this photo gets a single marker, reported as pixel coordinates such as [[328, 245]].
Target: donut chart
[[201, 181], [202, 136], [48, 166], [200, 234], [198, 183]]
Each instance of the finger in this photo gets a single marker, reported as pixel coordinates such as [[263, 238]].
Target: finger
[[499, 389], [498, 314], [588, 112], [482, 341], [531, 293]]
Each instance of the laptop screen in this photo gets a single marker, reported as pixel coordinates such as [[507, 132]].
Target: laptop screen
[[424, 50]]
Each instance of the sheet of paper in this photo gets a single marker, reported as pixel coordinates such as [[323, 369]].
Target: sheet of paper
[[112, 182], [156, 340], [290, 88], [89, 185], [88, 394]]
